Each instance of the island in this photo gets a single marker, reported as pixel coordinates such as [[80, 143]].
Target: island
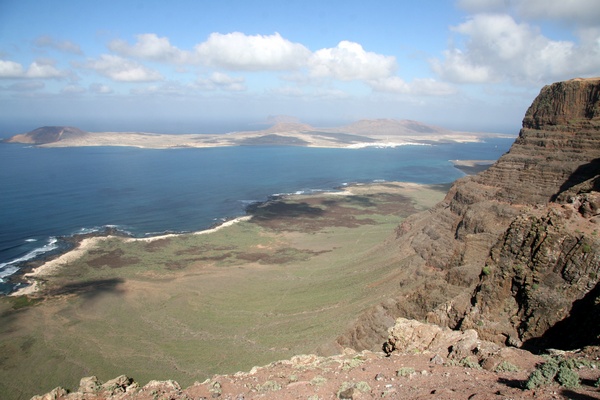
[[360, 134]]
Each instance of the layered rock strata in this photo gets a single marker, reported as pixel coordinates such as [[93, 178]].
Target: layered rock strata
[[536, 207]]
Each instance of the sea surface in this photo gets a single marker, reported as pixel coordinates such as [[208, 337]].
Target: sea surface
[[49, 194]]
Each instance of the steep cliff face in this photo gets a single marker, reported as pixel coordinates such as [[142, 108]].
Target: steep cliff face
[[557, 147], [543, 270], [530, 220]]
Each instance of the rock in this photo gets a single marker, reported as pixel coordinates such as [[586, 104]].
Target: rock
[[55, 394], [117, 385], [347, 394], [437, 360], [89, 384]]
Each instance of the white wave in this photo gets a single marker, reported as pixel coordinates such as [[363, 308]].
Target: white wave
[[384, 145], [8, 271], [9, 268], [31, 240], [96, 229]]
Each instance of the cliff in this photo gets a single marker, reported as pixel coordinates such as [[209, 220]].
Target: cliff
[[512, 251]]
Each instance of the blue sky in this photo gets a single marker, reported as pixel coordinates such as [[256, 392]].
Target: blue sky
[[207, 66]]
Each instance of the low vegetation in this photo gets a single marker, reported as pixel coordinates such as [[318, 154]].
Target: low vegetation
[[187, 307]]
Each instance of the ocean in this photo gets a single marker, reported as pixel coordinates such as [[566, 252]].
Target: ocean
[[49, 194]]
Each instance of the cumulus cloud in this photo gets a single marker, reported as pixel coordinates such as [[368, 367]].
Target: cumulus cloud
[[65, 46], [219, 80], [36, 70], [239, 52], [122, 70], [349, 61], [497, 48], [11, 69], [418, 87], [151, 47]]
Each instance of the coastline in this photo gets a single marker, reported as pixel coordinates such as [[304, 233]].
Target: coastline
[[276, 136], [86, 242], [83, 246]]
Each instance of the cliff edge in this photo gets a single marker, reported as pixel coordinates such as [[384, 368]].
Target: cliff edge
[[513, 251]]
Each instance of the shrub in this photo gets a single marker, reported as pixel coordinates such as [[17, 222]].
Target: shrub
[[543, 375], [269, 386], [405, 371], [468, 362], [567, 377], [318, 380], [486, 271], [559, 370], [505, 366], [352, 363]]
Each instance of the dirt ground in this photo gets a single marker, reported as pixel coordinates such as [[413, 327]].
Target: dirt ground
[[365, 375]]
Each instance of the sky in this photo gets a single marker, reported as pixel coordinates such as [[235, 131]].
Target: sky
[[213, 66]]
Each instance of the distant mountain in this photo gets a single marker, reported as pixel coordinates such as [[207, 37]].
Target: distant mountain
[[289, 127], [48, 134], [391, 127]]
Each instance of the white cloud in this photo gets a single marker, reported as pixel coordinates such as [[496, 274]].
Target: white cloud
[[43, 70], [239, 52], [11, 69], [65, 46], [219, 80], [151, 47], [349, 61], [122, 70], [100, 88], [36, 70], [498, 48], [458, 68], [418, 87]]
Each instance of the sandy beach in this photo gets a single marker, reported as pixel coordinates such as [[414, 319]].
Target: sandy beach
[[89, 243]]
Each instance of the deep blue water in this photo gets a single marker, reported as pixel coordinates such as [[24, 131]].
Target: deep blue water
[[50, 193]]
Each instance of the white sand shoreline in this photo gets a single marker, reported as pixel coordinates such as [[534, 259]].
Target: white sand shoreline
[[85, 245]]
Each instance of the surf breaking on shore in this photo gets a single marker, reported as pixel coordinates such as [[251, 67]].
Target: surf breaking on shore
[[89, 243]]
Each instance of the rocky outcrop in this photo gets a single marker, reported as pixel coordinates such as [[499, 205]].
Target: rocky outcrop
[[515, 245], [540, 284]]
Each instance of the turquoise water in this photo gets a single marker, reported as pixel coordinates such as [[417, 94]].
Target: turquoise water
[[58, 192]]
